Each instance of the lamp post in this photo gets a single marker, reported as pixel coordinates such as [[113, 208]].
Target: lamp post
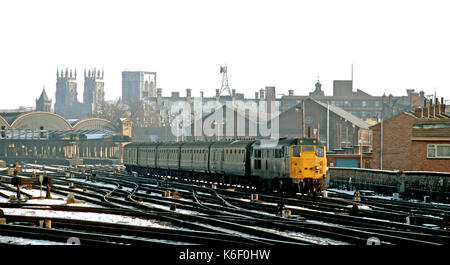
[[297, 109], [216, 124]]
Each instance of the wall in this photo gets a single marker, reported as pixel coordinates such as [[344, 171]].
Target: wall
[[397, 133], [386, 181], [421, 162]]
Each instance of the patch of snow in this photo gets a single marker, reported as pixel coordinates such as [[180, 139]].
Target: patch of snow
[[360, 207], [431, 225], [97, 217], [163, 207], [26, 241], [170, 242], [331, 191], [306, 237], [305, 209]]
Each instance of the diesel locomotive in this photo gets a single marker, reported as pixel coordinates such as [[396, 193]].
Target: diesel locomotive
[[284, 165]]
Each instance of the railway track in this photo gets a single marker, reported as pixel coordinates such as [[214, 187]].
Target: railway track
[[373, 225], [204, 215]]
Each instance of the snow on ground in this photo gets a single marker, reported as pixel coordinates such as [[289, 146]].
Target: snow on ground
[[383, 197], [8, 192], [321, 223], [352, 192], [37, 193], [163, 207], [170, 242], [26, 241], [349, 192], [360, 207], [203, 193], [56, 198], [306, 209], [98, 184], [306, 237], [97, 217]]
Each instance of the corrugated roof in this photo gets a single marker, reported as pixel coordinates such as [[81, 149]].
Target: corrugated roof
[[11, 117]]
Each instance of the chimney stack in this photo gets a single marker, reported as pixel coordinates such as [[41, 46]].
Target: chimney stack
[[442, 106], [158, 95], [261, 94], [256, 95], [434, 106], [201, 94], [291, 92], [188, 92], [233, 92], [419, 112]]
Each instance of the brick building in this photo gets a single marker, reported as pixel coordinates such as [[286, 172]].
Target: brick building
[[417, 140], [358, 103]]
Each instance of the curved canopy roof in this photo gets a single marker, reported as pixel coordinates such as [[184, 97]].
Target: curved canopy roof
[[51, 121]]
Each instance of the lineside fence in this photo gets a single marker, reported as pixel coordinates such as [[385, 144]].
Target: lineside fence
[[414, 184]]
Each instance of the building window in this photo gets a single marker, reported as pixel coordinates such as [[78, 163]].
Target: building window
[[438, 151], [363, 104]]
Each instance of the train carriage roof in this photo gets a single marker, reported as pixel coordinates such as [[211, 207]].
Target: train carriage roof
[[131, 145], [150, 145], [240, 143], [170, 145], [278, 143], [232, 144], [196, 145]]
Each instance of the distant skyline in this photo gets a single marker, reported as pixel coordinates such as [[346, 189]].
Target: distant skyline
[[393, 45]]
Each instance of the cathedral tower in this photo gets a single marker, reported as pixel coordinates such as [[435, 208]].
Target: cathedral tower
[[94, 92], [66, 101]]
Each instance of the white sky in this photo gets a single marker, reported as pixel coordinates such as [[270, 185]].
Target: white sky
[[394, 45]]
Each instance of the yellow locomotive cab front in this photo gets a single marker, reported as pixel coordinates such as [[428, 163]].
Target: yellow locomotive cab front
[[308, 164]]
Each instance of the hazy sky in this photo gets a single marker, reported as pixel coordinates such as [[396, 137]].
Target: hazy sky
[[394, 45]]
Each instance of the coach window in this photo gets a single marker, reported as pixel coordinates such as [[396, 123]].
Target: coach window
[[257, 164]]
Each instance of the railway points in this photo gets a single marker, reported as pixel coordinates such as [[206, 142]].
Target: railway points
[[114, 207]]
